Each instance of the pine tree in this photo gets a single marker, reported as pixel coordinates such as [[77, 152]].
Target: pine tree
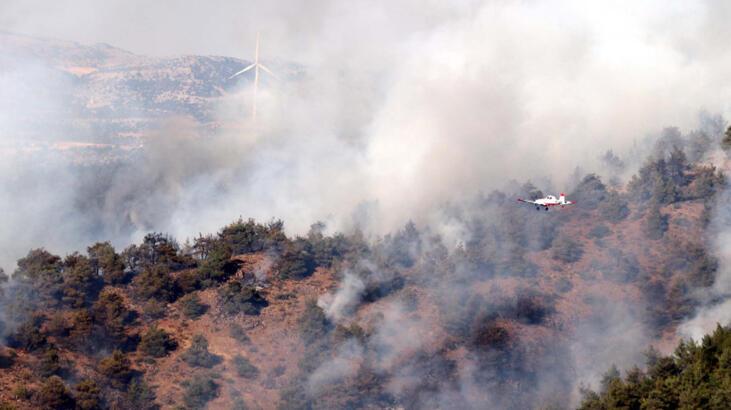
[[655, 223], [116, 367], [106, 262]]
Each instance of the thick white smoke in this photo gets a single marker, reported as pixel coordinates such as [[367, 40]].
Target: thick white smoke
[[407, 105], [403, 106]]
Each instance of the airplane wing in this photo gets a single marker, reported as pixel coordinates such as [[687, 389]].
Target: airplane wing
[[527, 201]]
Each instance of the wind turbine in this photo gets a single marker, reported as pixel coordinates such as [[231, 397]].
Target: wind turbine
[[256, 65]]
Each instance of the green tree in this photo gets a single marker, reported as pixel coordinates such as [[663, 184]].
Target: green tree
[[296, 260], [218, 266], [199, 391], [235, 298], [695, 376], [244, 368], [116, 367], [44, 272], [80, 282], [155, 282], [197, 355], [192, 307], [54, 395], [28, 337], [111, 312], [566, 250], [50, 363], [88, 395], [313, 323], [107, 263], [239, 334], [141, 396], [156, 342], [614, 208], [590, 192], [655, 223]]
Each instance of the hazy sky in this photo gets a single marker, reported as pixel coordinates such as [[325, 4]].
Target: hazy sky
[[221, 27]]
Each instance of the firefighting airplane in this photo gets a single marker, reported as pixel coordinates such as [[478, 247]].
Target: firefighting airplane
[[548, 201]]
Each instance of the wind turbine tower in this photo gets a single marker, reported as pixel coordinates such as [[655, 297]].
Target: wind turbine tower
[[256, 65]]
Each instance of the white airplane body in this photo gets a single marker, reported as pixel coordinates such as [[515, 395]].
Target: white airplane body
[[548, 201]]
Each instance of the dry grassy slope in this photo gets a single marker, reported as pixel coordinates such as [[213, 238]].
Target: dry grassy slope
[[589, 281], [275, 347]]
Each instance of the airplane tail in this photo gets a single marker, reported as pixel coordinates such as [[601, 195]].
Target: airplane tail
[[562, 200]]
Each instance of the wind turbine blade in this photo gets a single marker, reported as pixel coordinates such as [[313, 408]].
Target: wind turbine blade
[[263, 67], [243, 71]]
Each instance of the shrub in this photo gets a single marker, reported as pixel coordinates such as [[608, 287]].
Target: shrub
[[403, 247], [111, 312], [199, 391], [238, 333], [154, 309], [564, 285], [116, 367], [296, 260], [50, 363], [88, 395], [192, 307], [655, 223], [155, 282], [244, 368], [81, 329], [326, 249], [141, 396], [188, 281], [599, 231], [28, 337], [614, 208], [4, 405], [566, 250], [490, 335], [57, 325], [156, 342], [239, 404], [198, 355], [707, 182], [22, 392], [54, 395], [590, 192], [218, 265], [313, 323], [235, 298], [7, 359], [533, 308]]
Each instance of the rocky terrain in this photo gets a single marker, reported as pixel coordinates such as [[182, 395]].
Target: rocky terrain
[[97, 97]]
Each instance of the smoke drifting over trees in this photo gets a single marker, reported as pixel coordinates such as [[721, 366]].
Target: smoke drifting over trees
[[406, 142]]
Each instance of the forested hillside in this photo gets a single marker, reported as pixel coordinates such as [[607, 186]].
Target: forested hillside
[[529, 306], [695, 376]]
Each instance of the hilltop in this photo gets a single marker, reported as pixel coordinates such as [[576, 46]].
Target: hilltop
[[99, 94]]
